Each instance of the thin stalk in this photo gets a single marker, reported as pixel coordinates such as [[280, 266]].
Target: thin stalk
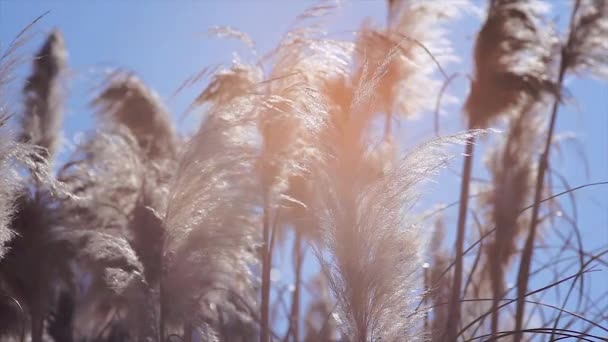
[[265, 305], [523, 275], [295, 301], [454, 307], [37, 323], [162, 295], [497, 280], [425, 298]]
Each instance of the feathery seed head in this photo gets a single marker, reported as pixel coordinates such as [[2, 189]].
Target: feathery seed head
[[370, 247], [8, 181], [211, 212], [41, 121], [587, 48], [405, 56], [126, 101], [513, 58]]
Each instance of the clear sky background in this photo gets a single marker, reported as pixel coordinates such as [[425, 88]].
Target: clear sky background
[[164, 43]]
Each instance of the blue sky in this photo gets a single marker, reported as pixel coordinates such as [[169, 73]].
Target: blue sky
[[165, 43]]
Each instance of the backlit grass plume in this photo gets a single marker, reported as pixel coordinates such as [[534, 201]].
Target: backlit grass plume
[[586, 47], [512, 170], [227, 84], [119, 244], [7, 147], [370, 246], [37, 263], [582, 49], [126, 100], [7, 183], [105, 172], [513, 54], [407, 56], [35, 260], [295, 113], [146, 233], [210, 218], [42, 119], [291, 120], [27, 271]]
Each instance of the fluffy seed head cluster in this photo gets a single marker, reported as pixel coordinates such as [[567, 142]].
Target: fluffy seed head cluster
[[370, 245], [294, 113], [407, 54], [511, 165], [513, 58], [211, 214], [41, 118], [154, 237], [7, 187], [587, 49], [43, 113], [7, 147], [125, 100]]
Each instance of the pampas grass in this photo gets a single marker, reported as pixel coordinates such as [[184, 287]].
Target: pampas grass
[[42, 117], [407, 55], [586, 50], [7, 186], [587, 24], [373, 249], [512, 54], [210, 216], [512, 169], [11, 152], [7, 180], [145, 233], [27, 269], [126, 101]]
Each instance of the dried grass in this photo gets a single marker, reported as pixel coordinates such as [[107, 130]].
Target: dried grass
[[145, 234], [42, 119]]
